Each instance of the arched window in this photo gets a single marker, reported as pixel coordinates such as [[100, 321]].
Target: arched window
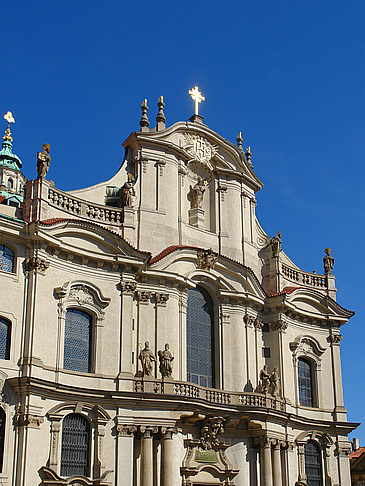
[[305, 382], [2, 437], [200, 337], [77, 348], [313, 464], [75, 449], [5, 335], [10, 184], [6, 259]]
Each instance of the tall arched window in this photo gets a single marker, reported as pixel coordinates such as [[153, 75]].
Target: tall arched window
[[313, 464], [77, 348], [5, 335], [10, 184], [200, 337], [2, 437], [6, 259], [305, 382], [75, 449]]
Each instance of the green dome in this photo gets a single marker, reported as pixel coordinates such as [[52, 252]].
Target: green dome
[[7, 158]]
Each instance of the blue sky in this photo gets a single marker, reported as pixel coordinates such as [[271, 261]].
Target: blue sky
[[289, 75]]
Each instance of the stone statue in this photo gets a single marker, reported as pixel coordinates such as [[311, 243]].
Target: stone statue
[[275, 382], [166, 359], [147, 359], [127, 194], [276, 244], [328, 261], [196, 194], [43, 161], [265, 380]]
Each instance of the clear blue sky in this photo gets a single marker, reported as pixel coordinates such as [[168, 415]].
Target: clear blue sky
[[289, 75]]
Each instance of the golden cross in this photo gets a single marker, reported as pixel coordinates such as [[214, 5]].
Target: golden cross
[[197, 97], [9, 118]]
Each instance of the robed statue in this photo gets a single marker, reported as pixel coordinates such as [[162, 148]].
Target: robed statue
[[43, 161], [127, 193], [166, 359], [147, 359], [197, 193], [328, 261], [265, 380]]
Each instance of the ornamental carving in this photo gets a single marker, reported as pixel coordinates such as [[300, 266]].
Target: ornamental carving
[[161, 299], [258, 324], [35, 263], [335, 338], [28, 420], [126, 430], [81, 294], [142, 296], [207, 259], [128, 287], [199, 148], [276, 244], [211, 429], [249, 320], [279, 325]]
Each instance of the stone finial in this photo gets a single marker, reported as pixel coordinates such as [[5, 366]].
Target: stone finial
[[248, 156], [144, 122], [43, 161], [239, 141], [160, 118], [328, 261]]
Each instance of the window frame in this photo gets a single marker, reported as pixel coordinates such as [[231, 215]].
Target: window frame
[[8, 338], [3, 431], [305, 359], [89, 452], [319, 455], [12, 249], [214, 335], [91, 360]]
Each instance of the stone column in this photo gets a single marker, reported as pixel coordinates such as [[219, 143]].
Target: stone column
[[147, 455], [266, 467], [276, 465], [167, 470], [124, 453]]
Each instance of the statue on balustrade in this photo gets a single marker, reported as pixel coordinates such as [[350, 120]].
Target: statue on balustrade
[[265, 380], [276, 244], [197, 193], [328, 261], [166, 360], [127, 192], [275, 382], [147, 359], [43, 161]]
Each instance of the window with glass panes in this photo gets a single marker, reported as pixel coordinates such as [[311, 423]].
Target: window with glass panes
[[305, 382], [75, 449], [6, 259], [5, 333], [200, 341], [313, 464], [77, 348]]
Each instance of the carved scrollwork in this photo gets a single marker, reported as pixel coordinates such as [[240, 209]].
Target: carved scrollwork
[[279, 325], [142, 296], [128, 287], [335, 338], [211, 429], [28, 420], [35, 263], [207, 259], [126, 430], [160, 298]]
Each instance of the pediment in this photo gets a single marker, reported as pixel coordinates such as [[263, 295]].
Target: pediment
[[94, 240], [196, 143], [233, 279], [312, 303]]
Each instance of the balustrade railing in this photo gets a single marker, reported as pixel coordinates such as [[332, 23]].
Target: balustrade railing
[[212, 395], [84, 209], [303, 278]]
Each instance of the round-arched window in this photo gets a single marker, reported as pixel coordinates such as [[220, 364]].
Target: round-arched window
[[75, 449], [200, 337], [313, 464], [6, 259], [77, 346], [305, 382]]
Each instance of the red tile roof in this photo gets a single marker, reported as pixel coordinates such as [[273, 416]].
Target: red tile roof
[[2, 199], [357, 453]]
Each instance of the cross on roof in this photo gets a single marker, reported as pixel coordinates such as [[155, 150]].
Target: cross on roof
[[197, 97]]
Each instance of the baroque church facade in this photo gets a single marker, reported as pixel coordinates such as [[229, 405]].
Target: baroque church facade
[[152, 333]]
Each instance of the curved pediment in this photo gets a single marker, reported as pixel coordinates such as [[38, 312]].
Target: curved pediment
[[196, 143], [89, 238], [314, 304], [233, 279]]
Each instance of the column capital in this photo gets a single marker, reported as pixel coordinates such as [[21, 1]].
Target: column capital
[[128, 287], [126, 430], [167, 432], [147, 431]]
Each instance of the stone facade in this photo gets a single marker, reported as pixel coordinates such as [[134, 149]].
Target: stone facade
[[130, 267]]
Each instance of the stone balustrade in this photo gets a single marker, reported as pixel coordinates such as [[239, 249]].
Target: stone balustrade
[[83, 209], [212, 395], [304, 278]]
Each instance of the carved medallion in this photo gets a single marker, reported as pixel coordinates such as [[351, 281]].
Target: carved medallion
[[199, 148]]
